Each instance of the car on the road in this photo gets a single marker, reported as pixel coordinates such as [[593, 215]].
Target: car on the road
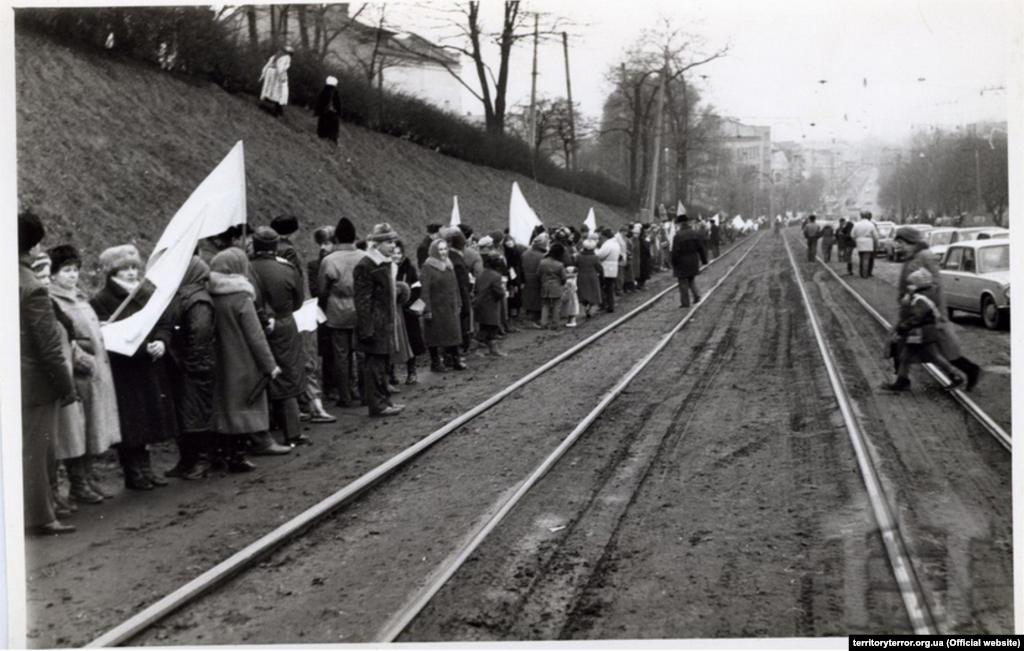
[[895, 251], [976, 278], [886, 231], [939, 239], [979, 233]]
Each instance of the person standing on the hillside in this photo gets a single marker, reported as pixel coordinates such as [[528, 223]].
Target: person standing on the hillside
[[328, 111], [275, 81], [865, 237], [456, 245], [337, 289], [688, 253]]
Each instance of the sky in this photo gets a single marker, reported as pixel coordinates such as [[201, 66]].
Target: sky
[[778, 51]]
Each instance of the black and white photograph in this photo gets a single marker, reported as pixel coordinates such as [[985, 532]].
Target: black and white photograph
[[510, 321]]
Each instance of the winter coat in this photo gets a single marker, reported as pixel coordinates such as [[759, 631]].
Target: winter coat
[[275, 79], [918, 320], [280, 285], [407, 274], [588, 283], [465, 290], [688, 253], [423, 251], [609, 254], [634, 257], [145, 404], [812, 231], [328, 112], [474, 262], [194, 358], [441, 324], [243, 357], [376, 309], [489, 293], [286, 250], [646, 261], [44, 373], [715, 235], [531, 278], [629, 270], [552, 278], [95, 387], [826, 237], [514, 263], [336, 285], [865, 236], [845, 238], [69, 439]]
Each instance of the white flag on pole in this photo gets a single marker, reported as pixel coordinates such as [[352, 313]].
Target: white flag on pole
[[309, 316], [216, 205], [521, 218], [680, 210], [591, 220], [456, 218]]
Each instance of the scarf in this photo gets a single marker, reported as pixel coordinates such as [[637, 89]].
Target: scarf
[[434, 258]]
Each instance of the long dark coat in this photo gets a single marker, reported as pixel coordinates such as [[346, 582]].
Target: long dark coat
[[45, 377], [646, 261], [243, 357], [328, 112], [531, 278], [375, 306], [588, 281], [194, 359], [441, 294], [144, 402], [423, 251], [489, 293], [465, 290], [688, 253], [407, 274], [514, 262], [280, 285]]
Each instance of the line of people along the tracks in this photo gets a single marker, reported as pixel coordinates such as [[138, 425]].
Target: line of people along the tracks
[[226, 364]]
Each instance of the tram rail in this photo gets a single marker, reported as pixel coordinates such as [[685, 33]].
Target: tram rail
[[239, 562]]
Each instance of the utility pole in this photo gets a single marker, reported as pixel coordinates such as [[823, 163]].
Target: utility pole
[[977, 175], [533, 87], [571, 163], [652, 195]]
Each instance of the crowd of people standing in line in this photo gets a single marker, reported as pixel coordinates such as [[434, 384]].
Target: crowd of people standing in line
[[226, 363]]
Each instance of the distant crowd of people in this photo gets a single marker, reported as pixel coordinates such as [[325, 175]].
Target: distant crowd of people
[[226, 363]]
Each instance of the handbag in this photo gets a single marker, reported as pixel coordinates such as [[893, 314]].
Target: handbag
[[417, 307]]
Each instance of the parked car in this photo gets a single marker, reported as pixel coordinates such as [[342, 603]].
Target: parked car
[[976, 278], [894, 250], [886, 231], [979, 233], [939, 239]]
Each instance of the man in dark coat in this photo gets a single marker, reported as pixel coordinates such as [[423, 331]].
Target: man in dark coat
[[688, 253], [846, 237], [812, 231], [715, 238], [285, 226], [423, 250], [456, 246], [328, 111], [280, 286], [376, 316], [530, 262], [46, 385]]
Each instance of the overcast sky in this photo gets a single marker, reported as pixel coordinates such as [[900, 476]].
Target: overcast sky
[[780, 50]]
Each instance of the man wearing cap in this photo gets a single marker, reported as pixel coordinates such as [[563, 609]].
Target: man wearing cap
[[376, 318], [280, 285], [865, 238], [688, 253], [336, 288]]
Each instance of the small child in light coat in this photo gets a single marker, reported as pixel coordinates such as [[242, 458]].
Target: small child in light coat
[[570, 301]]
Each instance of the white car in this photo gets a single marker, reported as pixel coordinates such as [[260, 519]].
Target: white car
[[976, 278], [939, 239]]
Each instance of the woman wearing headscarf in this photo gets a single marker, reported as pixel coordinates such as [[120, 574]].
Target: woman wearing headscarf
[[93, 377], [244, 363], [490, 291], [144, 400], [192, 373], [589, 273], [443, 303], [405, 272], [328, 111]]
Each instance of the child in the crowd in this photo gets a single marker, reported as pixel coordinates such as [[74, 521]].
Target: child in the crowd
[[570, 302]]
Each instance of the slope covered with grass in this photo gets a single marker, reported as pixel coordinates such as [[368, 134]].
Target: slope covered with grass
[[108, 150]]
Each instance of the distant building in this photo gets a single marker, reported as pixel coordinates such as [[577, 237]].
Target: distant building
[[747, 145]]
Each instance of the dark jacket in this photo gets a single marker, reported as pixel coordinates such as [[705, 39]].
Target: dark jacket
[[375, 305], [465, 287], [45, 376], [917, 321], [143, 386], [423, 251], [688, 253], [489, 293], [715, 237], [552, 278], [279, 284], [287, 250], [407, 274], [589, 274], [328, 111], [514, 262], [195, 359], [646, 261], [530, 263]]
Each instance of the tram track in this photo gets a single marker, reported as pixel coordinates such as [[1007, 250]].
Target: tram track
[[135, 629]]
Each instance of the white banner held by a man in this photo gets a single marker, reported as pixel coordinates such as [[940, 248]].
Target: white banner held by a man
[[216, 205], [521, 218]]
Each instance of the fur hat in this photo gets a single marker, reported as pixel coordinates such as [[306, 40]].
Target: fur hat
[[486, 240], [265, 239], [117, 258], [64, 255], [908, 235], [323, 235], [921, 278], [497, 236], [382, 233], [285, 224], [433, 228], [345, 233], [30, 231], [453, 235], [466, 229]]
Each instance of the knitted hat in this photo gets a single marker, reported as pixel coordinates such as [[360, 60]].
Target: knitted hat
[[908, 235], [285, 224], [486, 241], [64, 255], [265, 239], [921, 278], [41, 261], [346, 231], [117, 258], [382, 233], [30, 231]]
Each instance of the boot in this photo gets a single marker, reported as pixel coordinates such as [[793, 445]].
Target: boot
[[236, 456], [901, 384], [436, 365], [147, 469], [186, 457], [94, 482], [63, 504], [202, 466], [410, 372], [493, 350], [458, 363], [318, 414], [263, 444], [80, 490], [133, 475], [970, 369]]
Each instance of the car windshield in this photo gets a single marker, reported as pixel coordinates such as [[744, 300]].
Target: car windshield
[[885, 231], [994, 258], [938, 239]]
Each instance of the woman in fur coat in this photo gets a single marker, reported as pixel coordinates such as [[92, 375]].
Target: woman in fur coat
[[441, 325]]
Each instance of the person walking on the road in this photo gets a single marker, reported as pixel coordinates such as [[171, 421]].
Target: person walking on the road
[[865, 237], [688, 253], [827, 239], [841, 234], [846, 236], [919, 256], [812, 231]]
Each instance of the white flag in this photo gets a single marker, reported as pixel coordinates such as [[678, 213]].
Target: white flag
[[591, 220], [521, 218], [309, 316], [680, 210], [456, 218], [216, 205]]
